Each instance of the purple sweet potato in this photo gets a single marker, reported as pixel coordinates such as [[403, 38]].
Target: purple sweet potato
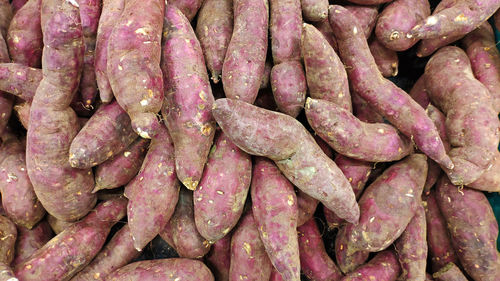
[[275, 209], [163, 269], [24, 36], [474, 145], [473, 229], [439, 119], [325, 73], [363, 111], [154, 192], [8, 236], [188, 97], [490, 179], [214, 28], [344, 132], [449, 272], [188, 7], [249, 260], [23, 113], [384, 266], [107, 133], [314, 10], [388, 99], [288, 83], [327, 150], [386, 59], [220, 198], [429, 46], [57, 225], [314, 261], [307, 207], [286, 30], [397, 19], [366, 17], [30, 240], [71, 250], [219, 258], [6, 273], [266, 76], [347, 259], [117, 253], [111, 10], [246, 54], [419, 93], [64, 191], [485, 59], [275, 275], [5, 17], [134, 54], [17, 4], [325, 29], [20, 80], [122, 168], [265, 133]]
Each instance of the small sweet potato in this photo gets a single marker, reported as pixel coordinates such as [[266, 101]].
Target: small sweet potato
[[8, 236], [449, 272], [384, 266], [288, 83], [30, 240], [5, 17], [347, 259], [307, 207], [20, 80], [314, 10], [219, 258], [386, 59], [366, 17]]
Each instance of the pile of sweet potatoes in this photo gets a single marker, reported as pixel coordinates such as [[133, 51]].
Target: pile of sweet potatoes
[[233, 140]]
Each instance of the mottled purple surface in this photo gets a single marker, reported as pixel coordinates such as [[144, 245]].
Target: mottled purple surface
[[449, 272], [30, 240], [288, 83], [219, 258], [384, 266], [20, 80], [286, 30], [385, 58], [314, 10]]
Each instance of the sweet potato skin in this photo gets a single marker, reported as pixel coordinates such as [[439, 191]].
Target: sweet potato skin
[[6, 100], [286, 30], [363, 111], [188, 7], [6, 273], [366, 17], [419, 93], [8, 235], [384, 266], [188, 98], [386, 59], [288, 83], [20, 80], [490, 179], [219, 258], [307, 207], [5, 17], [314, 10], [348, 259], [17, 4], [57, 225], [449, 272], [219, 201], [30, 240]]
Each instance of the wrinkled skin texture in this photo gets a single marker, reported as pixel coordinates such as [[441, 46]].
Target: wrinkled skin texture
[[386, 59], [219, 258], [30, 240], [314, 10], [347, 259], [64, 191], [384, 266], [474, 144], [275, 210], [20, 80], [265, 133], [449, 272], [8, 236], [473, 229], [288, 83], [220, 198], [188, 97], [307, 207]]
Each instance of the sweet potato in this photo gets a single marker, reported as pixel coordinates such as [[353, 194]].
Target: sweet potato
[[265, 133], [386, 59], [219, 258], [246, 54], [64, 191], [134, 54], [384, 266], [8, 236], [288, 83], [20, 80], [111, 10], [24, 36], [474, 146], [419, 93], [473, 229], [122, 168], [188, 7], [363, 111], [163, 269], [314, 261], [249, 260], [286, 30], [275, 209], [154, 192], [219, 201], [385, 97], [266, 76], [314, 10], [397, 19], [30, 240], [6, 273], [107, 133], [17, 4], [366, 17], [71, 250], [325, 29], [485, 59], [117, 253], [5, 17], [343, 132], [347, 258], [307, 207], [275, 275], [490, 179], [214, 27], [57, 225], [188, 98], [449, 272], [6, 100]]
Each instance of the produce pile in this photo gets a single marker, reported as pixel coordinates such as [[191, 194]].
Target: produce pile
[[249, 140]]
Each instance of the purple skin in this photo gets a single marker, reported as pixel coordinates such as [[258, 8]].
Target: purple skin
[[219, 258], [314, 10], [474, 146], [71, 250], [220, 198], [136, 53], [490, 179], [188, 98], [286, 30], [386, 59], [58, 226], [366, 17], [363, 111], [248, 256], [245, 59], [473, 229], [188, 7], [347, 259], [19, 80], [118, 252], [107, 133], [384, 266], [343, 132], [64, 191], [214, 28], [266, 100], [288, 83], [154, 192], [314, 261], [325, 73], [17, 4], [30, 240], [6, 100], [449, 272], [122, 168], [419, 93], [24, 36], [265, 133], [8, 236], [307, 207], [275, 275], [275, 210], [325, 29], [389, 100]]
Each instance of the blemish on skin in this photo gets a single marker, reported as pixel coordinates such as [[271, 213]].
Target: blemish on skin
[[432, 20], [460, 17], [381, 131], [120, 67], [74, 3], [355, 30], [290, 200], [247, 247], [127, 153], [372, 219], [220, 192]]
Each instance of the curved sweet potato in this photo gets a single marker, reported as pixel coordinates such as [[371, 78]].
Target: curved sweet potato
[[314, 10], [30, 240]]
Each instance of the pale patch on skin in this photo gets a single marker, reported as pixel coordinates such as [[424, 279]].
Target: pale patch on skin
[[74, 3], [432, 20]]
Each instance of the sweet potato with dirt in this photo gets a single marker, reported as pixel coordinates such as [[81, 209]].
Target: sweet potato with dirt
[[314, 10], [122, 168], [265, 133], [366, 17], [419, 93], [24, 37], [474, 146], [325, 29], [64, 191], [57, 225], [221, 196], [348, 259], [314, 261], [307, 207], [134, 54], [363, 111], [5, 17], [397, 19], [188, 7], [344, 132], [245, 59], [386, 59], [188, 97], [275, 210], [214, 28], [473, 229], [248, 256], [30, 240], [288, 83], [384, 96], [285, 30], [8, 236], [219, 258], [490, 180], [384, 266], [6, 273], [449, 272], [20, 80], [71, 250]]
